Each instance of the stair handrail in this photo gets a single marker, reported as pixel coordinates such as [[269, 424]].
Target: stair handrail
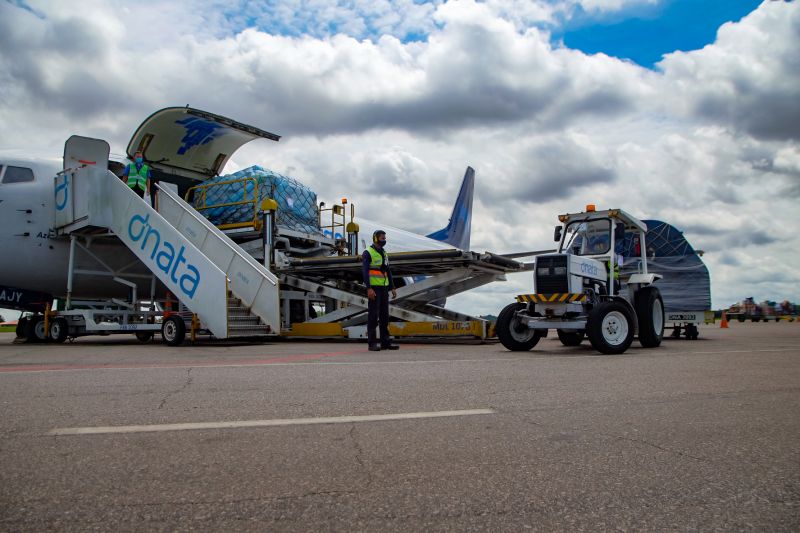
[[272, 278]]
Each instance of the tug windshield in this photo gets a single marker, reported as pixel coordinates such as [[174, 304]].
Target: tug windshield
[[588, 237]]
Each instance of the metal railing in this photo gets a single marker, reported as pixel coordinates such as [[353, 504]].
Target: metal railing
[[200, 203]]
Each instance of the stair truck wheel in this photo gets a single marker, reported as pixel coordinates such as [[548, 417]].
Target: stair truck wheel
[[144, 336], [650, 316], [610, 327], [34, 329], [21, 325], [173, 330], [514, 335], [570, 338], [59, 330]]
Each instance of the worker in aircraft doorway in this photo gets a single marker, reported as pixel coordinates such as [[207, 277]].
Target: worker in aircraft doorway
[[378, 280]]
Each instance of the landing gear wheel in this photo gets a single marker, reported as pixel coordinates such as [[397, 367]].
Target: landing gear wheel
[[22, 323], [144, 336], [513, 334], [650, 316], [59, 330], [570, 338], [610, 327], [34, 329], [173, 330]]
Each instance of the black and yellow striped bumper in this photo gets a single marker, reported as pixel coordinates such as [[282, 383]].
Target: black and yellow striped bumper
[[557, 298]]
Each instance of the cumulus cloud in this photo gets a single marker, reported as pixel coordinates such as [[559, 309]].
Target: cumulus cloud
[[748, 79], [707, 142]]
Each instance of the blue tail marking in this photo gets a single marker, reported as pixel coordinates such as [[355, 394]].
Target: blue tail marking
[[457, 232]]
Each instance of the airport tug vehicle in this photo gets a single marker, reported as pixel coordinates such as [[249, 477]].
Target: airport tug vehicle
[[578, 291]]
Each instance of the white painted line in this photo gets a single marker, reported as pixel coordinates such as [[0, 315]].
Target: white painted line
[[265, 423], [527, 357], [198, 366]]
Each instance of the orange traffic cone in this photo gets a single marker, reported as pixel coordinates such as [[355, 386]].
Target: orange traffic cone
[[724, 323]]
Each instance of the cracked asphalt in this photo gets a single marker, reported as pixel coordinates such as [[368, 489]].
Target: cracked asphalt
[[693, 436]]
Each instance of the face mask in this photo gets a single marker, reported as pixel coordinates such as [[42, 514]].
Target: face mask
[[139, 160], [382, 243]]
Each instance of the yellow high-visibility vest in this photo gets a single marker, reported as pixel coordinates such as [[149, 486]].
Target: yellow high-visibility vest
[[137, 178], [377, 275]]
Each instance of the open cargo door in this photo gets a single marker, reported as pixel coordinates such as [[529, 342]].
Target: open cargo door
[[191, 143]]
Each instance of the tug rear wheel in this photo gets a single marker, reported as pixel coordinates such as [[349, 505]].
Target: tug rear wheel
[[570, 338], [513, 334], [650, 316], [610, 327]]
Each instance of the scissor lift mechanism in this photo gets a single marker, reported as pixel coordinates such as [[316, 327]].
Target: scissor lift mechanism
[[446, 273]]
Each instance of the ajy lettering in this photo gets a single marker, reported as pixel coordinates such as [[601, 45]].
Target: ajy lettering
[[164, 254], [10, 296]]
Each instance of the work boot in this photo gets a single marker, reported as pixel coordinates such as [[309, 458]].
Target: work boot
[[390, 347], [374, 348]]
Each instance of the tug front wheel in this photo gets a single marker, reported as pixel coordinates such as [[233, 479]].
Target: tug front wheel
[[513, 334], [610, 328]]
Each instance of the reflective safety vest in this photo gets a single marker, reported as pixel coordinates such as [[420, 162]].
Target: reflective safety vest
[[377, 275], [615, 267], [137, 178]]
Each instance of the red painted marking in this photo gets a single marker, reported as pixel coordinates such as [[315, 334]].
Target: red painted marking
[[245, 362]]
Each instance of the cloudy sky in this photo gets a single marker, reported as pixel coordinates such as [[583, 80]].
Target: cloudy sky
[[682, 110]]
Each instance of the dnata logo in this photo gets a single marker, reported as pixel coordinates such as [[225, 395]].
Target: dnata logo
[[63, 187], [163, 253]]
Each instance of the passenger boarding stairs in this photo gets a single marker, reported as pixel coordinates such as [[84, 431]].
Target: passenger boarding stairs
[[230, 292]]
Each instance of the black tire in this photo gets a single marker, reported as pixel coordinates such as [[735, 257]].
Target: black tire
[[144, 336], [21, 325], [571, 338], [650, 316], [173, 330], [513, 335], [740, 318], [59, 330], [610, 327], [34, 329]]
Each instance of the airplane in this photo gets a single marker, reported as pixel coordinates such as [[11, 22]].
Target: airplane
[[183, 147]]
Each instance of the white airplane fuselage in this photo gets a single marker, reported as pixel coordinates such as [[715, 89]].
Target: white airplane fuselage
[[35, 258]]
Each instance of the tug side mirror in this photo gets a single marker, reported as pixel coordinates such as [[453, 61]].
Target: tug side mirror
[[557, 234]]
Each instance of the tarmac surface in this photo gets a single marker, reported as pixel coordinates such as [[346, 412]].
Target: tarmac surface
[[108, 434]]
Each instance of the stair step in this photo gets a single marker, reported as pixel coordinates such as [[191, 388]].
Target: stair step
[[254, 321]]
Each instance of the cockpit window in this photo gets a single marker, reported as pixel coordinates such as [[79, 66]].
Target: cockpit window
[[591, 237], [17, 174]]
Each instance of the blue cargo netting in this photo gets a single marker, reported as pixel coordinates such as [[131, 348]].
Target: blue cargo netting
[[297, 204], [686, 284]]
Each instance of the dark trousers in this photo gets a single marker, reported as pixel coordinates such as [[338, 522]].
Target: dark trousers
[[378, 309]]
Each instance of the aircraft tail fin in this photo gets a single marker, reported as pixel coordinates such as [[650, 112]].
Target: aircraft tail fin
[[457, 232]]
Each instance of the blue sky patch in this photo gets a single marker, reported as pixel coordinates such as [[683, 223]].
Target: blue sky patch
[[644, 34]]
